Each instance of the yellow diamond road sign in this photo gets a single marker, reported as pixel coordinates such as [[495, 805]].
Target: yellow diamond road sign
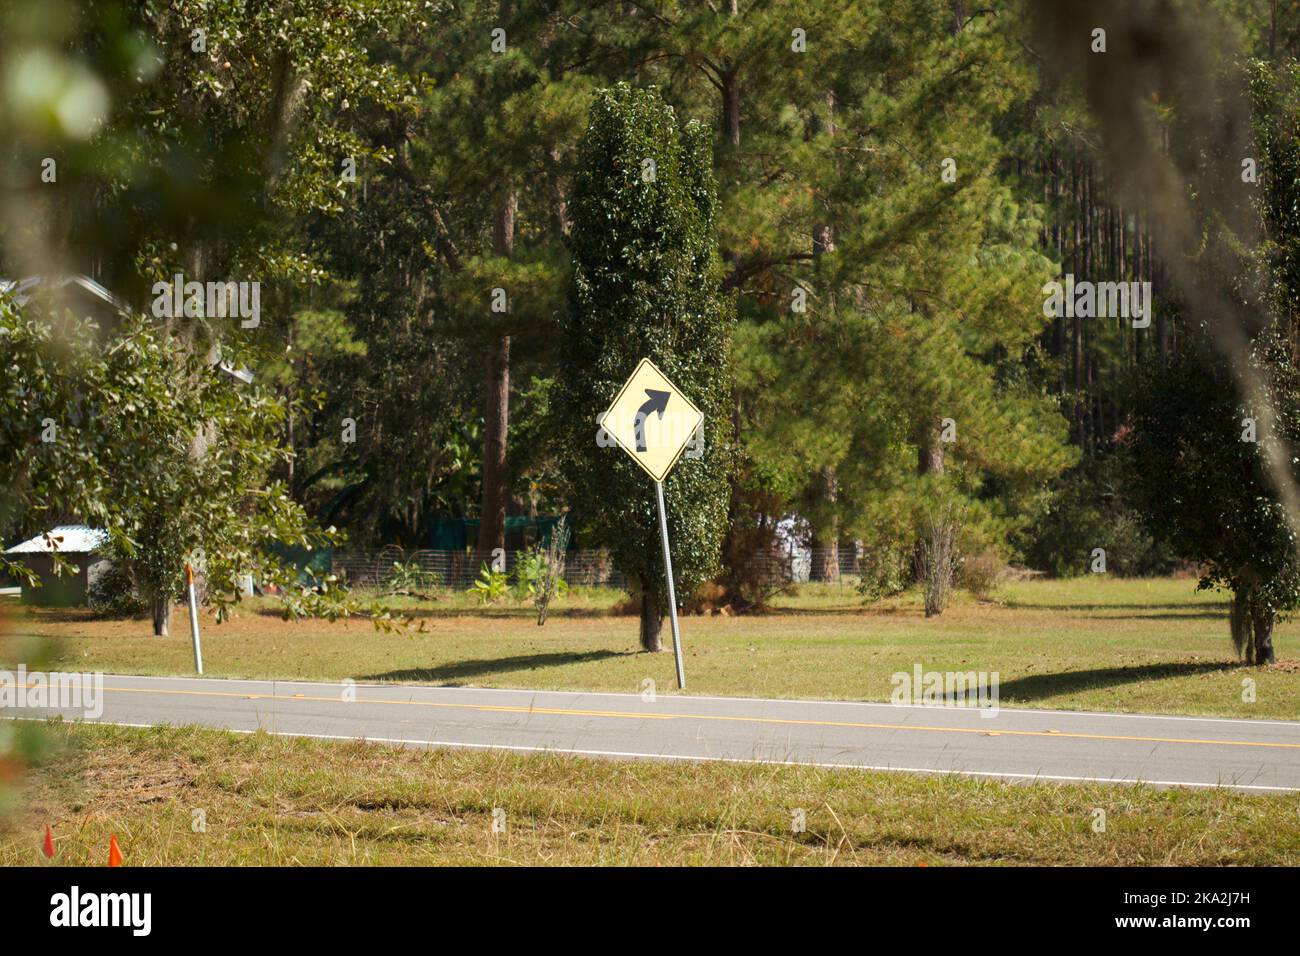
[[652, 420]]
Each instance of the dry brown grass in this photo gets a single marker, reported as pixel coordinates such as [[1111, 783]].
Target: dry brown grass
[[279, 801]]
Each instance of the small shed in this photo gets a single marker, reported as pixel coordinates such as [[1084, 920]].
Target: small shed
[[77, 544]]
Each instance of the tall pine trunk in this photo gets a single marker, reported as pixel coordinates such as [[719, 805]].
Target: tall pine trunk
[[825, 541], [929, 451], [731, 108], [826, 538], [929, 461], [496, 404], [731, 91], [496, 423]]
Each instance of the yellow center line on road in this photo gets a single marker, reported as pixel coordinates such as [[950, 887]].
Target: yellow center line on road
[[641, 715]]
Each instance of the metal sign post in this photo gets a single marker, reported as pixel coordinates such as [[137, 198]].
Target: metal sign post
[[194, 620], [672, 594]]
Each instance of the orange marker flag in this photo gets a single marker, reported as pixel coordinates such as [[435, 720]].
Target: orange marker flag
[[48, 847], [114, 851]]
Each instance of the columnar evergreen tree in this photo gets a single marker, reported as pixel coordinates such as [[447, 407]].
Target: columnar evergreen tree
[[645, 283]]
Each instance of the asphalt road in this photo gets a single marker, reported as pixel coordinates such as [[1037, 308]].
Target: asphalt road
[[1257, 755]]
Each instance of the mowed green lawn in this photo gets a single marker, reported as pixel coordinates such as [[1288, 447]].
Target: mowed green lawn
[[183, 796], [1090, 643]]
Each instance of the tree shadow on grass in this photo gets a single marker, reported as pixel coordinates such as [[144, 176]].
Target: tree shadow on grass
[[1178, 610], [837, 610], [42, 614], [1040, 686], [1217, 614], [1143, 612], [458, 671]]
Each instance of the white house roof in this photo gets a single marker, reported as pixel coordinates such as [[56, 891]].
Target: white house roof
[[21, 289], [68, 538]]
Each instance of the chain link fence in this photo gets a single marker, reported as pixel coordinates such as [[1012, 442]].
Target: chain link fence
[[831, 569]]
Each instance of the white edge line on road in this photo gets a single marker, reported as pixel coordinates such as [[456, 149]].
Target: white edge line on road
[[690, 697], [456, 745]]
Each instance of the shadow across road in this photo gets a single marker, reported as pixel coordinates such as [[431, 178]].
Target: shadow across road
[[458, 671], [1040, 686]]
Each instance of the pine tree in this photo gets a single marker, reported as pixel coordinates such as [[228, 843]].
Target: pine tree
[[470, 199], [918, 303]]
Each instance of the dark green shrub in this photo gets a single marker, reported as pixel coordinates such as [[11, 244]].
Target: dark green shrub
[[645, 283]]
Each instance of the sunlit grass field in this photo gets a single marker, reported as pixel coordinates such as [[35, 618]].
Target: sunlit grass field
[[203, 797], [1088, 643]]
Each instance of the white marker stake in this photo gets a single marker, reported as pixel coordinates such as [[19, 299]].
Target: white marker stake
[[672, 594], [194, 620]]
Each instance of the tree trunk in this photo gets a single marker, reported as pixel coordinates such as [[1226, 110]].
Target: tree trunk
[[496, 403], [929, 461], [731, 91], [162, 615], [558, 186], [1263, 620], [1079, 268], [496, 423], [929, 451], [288, 409], [825, 564], [1058, 243], [652, 622], [1239, 624], [825, 542], [731, 108]]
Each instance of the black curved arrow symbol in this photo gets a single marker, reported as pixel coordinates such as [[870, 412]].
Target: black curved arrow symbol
[[657, 402]]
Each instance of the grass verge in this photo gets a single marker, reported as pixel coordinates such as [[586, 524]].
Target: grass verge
[[1153, 646], [278, 801]]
